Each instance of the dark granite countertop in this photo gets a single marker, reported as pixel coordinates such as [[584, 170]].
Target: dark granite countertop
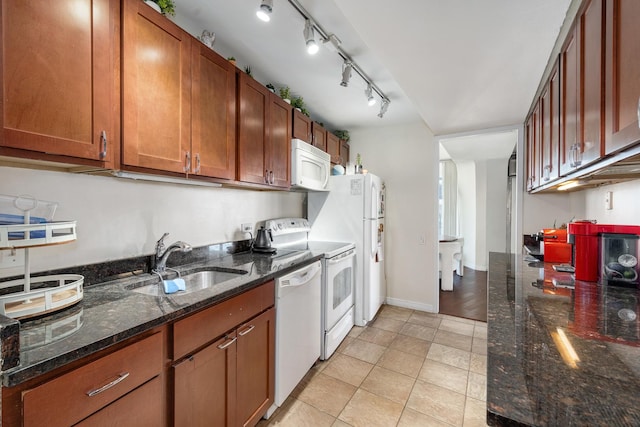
[[560, 352], [110, 312]]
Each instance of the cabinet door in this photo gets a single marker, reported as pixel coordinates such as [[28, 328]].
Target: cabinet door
[[279, 143], [592, 64], [213, 139], [622, 74], [156, 90], [549, 130], [256, 367], [319, 136], [344, 152], [533, 149], [333, 148], [141, 407], [205, 393], [58, 91], [301, 126], [252, 131], [569, 115]]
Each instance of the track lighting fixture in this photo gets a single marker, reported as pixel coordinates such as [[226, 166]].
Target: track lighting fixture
[[371, 101], [383, 107], [346, 73], [333, 43], [264, 11], [310, 38]]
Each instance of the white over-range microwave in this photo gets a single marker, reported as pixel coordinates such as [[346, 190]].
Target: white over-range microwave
[[310, 167]]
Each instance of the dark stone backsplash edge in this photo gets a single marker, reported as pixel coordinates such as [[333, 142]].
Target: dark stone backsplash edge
[[112, 270]]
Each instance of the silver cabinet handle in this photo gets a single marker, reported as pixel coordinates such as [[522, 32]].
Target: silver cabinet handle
[[271, 180], [103, 140], [547, 173], [638, 112], [197, 169], [227, 343], [266, 176], [121, 377], [246, 331], [187, 161]]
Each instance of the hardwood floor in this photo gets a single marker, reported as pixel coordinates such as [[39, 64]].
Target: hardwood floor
[[468, 298]]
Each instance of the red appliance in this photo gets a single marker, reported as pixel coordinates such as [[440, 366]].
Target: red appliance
[[585, 238], [556, 248]]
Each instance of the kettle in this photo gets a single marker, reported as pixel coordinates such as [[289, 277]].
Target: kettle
[[263, 240]]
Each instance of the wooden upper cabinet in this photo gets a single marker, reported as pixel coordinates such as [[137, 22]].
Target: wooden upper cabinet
[[591, 82], [570, 96], [278, 151], [264, 135], [253, 112], [156, 62], [582, 64], [550, 130], [344, 152], [533, 149], [333, 148], [622, 74], [58, 78], [213, 138], [319, 136], [301, 126]]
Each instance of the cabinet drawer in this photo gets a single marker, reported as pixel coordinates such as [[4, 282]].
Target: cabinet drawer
[[203, 327], [66, 400]]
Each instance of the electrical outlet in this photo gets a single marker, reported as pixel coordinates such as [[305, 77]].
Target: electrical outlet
[[246, 228], [11, 258], [421, 239], [608, 200]]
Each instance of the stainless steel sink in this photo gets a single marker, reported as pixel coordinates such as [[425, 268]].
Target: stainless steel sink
[[193, 282]]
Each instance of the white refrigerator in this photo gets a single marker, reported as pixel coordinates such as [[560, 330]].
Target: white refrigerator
[[353, 211]]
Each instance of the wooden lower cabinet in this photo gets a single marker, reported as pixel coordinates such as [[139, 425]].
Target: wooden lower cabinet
[[125, 387], [224, 369], [140, 408], [230, 382], [204, 393], [255, 368]]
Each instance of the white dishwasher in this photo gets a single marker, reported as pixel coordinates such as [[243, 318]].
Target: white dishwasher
[[298, 300]]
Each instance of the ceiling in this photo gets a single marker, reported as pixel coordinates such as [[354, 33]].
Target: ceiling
[[457, 65]]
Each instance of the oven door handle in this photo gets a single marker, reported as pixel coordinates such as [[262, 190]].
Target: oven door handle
[[350, 254]]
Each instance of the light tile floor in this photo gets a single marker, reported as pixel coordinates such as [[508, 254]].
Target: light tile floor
[[408, 368]]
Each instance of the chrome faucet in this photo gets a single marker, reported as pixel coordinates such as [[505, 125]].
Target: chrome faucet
[[162, 254]]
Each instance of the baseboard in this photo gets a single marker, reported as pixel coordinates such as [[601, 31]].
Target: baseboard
[[411, 304]]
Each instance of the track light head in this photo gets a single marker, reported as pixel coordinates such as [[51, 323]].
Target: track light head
[[346, 73], [371, 101], [383, 107], [264, 11], [310, 38]]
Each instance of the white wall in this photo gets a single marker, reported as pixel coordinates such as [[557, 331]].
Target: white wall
[[119, 218], [543, 210], [496, 208], [406, 157], [467, 210], [626, 204], [482, 194]]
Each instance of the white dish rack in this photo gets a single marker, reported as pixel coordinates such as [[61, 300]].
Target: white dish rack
[[53, 292]]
